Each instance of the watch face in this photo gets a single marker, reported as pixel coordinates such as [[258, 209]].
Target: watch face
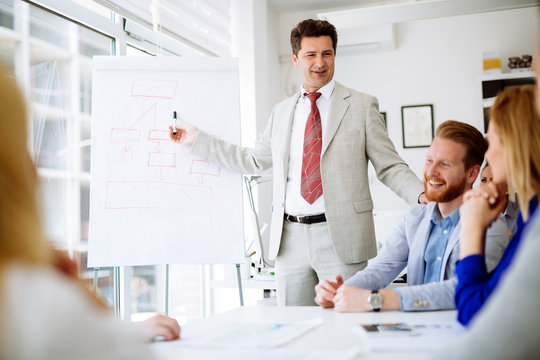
[[375, 300]]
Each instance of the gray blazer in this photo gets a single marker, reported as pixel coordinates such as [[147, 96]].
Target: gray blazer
[[355, 133], [405, 248]]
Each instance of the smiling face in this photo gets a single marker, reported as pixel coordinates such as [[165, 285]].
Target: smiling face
[[445, 176], [315, 61]]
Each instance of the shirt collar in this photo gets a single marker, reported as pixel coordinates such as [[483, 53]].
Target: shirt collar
[[436, 217], [325, 91]]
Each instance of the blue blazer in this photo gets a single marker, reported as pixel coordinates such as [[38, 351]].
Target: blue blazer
[[405, 248]]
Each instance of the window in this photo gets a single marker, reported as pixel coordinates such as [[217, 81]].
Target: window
[[51, 56]]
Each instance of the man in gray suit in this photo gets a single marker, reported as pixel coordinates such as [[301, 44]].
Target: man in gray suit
[[318, 143], [427, 239]]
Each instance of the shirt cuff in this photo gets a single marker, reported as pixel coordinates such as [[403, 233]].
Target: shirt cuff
[[400, 298]]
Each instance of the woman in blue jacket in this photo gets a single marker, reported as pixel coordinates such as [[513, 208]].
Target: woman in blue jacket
[[513, 154]]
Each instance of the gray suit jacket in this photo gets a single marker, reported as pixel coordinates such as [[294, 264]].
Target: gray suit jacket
[[405, 248], [355, 133]]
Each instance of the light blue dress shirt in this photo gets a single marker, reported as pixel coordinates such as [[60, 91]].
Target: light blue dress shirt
[[441, 230]]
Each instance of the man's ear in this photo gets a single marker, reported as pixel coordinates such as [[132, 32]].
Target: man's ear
[[294, 59], [472, 173]]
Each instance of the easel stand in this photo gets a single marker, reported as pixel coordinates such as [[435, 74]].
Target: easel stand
[[250, 182], [240, 291], [116, 282]]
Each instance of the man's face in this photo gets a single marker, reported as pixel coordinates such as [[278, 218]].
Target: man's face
[[315, 61], [445, 176]]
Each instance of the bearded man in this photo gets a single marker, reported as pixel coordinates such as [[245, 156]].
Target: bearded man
[[427, 239]]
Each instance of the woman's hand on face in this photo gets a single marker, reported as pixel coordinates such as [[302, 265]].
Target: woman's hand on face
[[480, 208], [482, 205]]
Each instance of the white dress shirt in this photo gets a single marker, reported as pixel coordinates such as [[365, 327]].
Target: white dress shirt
[[295, 204]]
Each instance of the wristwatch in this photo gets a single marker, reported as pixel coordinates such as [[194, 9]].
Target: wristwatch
[[375, 300]]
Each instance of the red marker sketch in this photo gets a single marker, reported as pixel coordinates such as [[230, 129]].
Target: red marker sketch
[[158, 135], [164, 89], [159, 159], [203, 168], [124, 135], [148, 116], [158, 195]]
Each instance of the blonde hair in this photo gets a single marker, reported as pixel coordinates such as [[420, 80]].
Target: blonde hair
[[22, 238], [21, 234], [518, 126]]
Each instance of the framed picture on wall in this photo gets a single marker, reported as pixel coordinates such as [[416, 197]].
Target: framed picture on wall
[[417, 125]]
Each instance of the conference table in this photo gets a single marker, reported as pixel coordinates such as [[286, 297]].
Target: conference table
[[240, 334]]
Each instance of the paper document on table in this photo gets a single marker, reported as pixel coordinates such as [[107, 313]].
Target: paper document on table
[[257, 335], [423, 337]]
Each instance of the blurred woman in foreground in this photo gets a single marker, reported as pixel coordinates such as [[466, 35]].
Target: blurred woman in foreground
[[45, 312]]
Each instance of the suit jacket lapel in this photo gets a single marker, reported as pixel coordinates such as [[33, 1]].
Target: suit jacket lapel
[[338, 107], [416, 267]]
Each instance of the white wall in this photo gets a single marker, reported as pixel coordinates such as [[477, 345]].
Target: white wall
[[438, 61]]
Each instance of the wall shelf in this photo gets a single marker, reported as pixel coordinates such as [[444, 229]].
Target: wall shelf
[[508, 76], [491, 85]]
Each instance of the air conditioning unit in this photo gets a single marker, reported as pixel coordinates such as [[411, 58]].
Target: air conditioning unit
[[399, 11], [367, 38], [361, 39]]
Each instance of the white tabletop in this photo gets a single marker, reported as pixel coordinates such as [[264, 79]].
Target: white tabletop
[[336, 334]]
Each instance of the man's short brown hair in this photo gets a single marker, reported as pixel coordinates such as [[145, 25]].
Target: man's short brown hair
[[312, 28], [467, 135]]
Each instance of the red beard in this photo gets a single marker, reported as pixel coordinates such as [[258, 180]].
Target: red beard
[[447, 194]]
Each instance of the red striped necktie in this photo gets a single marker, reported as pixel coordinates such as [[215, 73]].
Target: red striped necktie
[[311, 184]]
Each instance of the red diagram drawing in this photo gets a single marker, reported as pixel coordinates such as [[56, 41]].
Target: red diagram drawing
[[124, 135], [149, 117], [158, 195], [159, 159], [158, 135]]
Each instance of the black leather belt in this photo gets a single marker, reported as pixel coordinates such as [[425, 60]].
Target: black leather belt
[[313, 219]]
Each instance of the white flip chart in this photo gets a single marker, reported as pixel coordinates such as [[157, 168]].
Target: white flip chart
[[151, 201]]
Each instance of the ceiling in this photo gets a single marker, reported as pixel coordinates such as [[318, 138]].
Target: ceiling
[[448, 7], [285, 6]]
